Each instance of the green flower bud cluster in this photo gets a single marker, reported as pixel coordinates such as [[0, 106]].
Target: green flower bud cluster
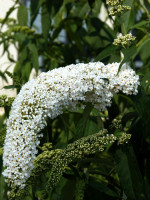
[[18, 194], [117, 128], [117, 123], [77, 151], [124, 138], [43, 162], [47, 147], [118, 10], [113, 2], [2, 138], [124, 41], [10, 101], [23, 29], [3, 97], [9, 21], [57, 160], [4, 102], [79, 189]]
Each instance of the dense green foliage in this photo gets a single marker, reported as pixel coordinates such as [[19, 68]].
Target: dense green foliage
[[71, 32]]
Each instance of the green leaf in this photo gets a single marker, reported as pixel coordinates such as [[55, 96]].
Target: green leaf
[[60, 16], [128, 53], [96, 7], [142, 102], [8, 14], [129, 117], [48, 12], [11, 86], [139, 24], [103, 165], [128, 18], [144, 7], [71, 28], [2, 119], [103, 187], [34, 56], [145, 83], [91, 2], [144, 41], [129, 174], [22, 15], [26, 71], [81, 9], [2, 75], [106, 52], [144, 49], [45, 20], [127, 98], [68, 190], [34, 10], [82, 123], [93, 126], [3, 187]]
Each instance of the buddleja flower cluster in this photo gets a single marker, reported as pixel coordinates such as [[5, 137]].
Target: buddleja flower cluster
[[58, 161], [124, 41], [117, 7], [113, 2], [78, 151], [47, 96]]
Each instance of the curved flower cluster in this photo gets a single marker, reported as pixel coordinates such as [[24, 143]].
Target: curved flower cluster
[[78, 150], [48, 95]]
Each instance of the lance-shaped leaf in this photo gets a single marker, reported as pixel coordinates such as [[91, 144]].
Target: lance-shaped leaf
[[129, 173]]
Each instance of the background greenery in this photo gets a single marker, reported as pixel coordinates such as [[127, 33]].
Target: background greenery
[[72, 32]]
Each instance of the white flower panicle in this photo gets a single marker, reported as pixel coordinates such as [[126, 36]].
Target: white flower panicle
[[47, 96]]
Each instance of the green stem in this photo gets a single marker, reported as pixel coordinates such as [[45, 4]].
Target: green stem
[[141, 41], [67, 125], [124, 29]]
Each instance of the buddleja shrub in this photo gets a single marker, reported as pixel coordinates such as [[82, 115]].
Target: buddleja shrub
[[80, 131]]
